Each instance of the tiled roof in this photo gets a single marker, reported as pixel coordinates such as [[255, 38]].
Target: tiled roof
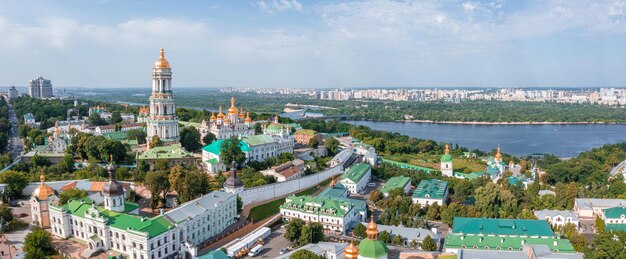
[[198, 206], [395, 182], [542, 214], [615, 227], [356, 172], [433, 188], [257, 140], [509, 227], [585, 203]]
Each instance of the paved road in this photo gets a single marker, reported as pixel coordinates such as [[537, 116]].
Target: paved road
[[16, 145]]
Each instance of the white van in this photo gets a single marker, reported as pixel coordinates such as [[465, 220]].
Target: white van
[[256, 250]]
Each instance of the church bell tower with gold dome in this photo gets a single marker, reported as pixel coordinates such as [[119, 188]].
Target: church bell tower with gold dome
[[162, 121]]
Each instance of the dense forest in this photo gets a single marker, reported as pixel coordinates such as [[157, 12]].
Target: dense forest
[[471, 111]]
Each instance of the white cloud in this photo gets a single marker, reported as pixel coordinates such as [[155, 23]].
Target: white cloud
[[279, 5]]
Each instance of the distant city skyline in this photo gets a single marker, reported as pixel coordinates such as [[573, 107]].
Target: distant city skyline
[[316, 44]]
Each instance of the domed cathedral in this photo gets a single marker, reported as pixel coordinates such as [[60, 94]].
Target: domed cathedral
[[224, 126], [113, 192], [276, 128], [162, 121], [371, 247], [446, 162], [43, 196]]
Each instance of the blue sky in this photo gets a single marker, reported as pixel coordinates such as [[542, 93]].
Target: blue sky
[[296, 43]]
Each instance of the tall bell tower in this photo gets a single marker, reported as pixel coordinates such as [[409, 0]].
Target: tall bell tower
[[162, 121]]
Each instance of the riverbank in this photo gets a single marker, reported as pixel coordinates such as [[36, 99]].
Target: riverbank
[[509, 123]]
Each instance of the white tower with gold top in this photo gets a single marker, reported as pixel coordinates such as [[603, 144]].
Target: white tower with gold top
[[162, 121]]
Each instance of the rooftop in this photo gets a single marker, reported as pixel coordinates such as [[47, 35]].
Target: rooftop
[[318, 205], [508, 227], [173, 151], [216, 145], [411, 233], [542, 214], [432, 188], [256, 140], [615, 212], [195, 207], [587, 204], [487, 242], [151, 226], [356, 172], [395, 182]]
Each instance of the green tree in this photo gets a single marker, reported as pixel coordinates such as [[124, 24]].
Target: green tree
[[304, 254], [6, 215], [359, 230], [331, 145], [313, 142], [67, 195], [38, 244], [239, 204], [433, 212], [397, 240], [158, 185], [376, 196], [385, 237], [95, 120], [578, 240], [190, 139], [258, 128], [311, 233], [156, 141], [231, 150], [429, 244], [15, 182], [600, 224], [137, 134], [116, 117], [208, 138], [293, 229], [112, 148], [607, 245]]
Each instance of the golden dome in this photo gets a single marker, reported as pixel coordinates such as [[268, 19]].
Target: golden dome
[[232, 109], [56, 127], [43, 191], [447, 149], [351, 251], [241, 115], [248, 119], [162, 62], [372, 229], [220, 115], [213, 118], [226, 120]]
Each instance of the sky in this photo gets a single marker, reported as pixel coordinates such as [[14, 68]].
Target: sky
[[316, 44]]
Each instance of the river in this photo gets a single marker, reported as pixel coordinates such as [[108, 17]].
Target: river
[[518, 140]]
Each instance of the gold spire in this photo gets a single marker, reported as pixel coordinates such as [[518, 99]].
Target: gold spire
[[248, 119], [351, 251], [42, 177], [276, 118], [213, 118], [372, 229], [162, 62], [226, 120], [498, 154], [332, 182], [220, 115], [447, 149], [69, 126], [43, 191], [233, 109], [241, 114]]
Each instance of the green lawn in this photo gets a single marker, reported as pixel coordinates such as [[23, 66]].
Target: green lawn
[[266, 210]]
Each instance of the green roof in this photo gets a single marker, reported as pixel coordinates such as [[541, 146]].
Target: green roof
[[216, 146], [165, 152], [432, 188], [615, 227], [196, 125], [509, 227], [212, 161], [486, 242], [215, 254], [257, 140], [274, 127], [369, 248], [116, 135], [446, 158], [152, 226], [319, 205], [335, 192], [356, 172], [469, 176], [615, 212], [395, 182], [407, 166]]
